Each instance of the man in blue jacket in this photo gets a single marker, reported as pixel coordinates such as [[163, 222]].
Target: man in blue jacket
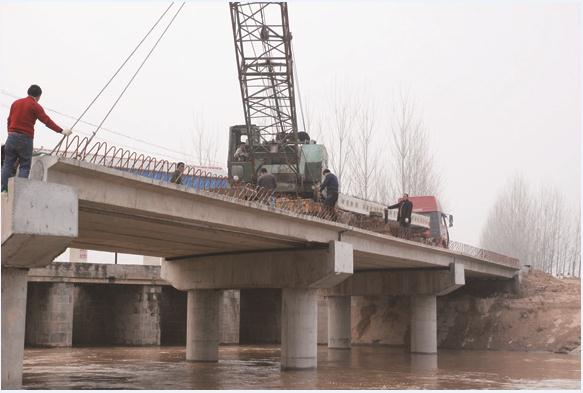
[[330, 184]]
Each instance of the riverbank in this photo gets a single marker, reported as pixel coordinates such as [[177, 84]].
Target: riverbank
[[544, 315]]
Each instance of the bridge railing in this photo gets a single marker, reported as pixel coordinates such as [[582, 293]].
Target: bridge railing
[[104, 154], [481, 253], [101, 153]]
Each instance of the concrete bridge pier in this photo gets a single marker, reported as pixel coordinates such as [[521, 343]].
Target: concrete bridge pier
[[202, 325], [299, 329], [339, 328], [299, 273], [13, 321], [424, 324], [32, 236], [423, 286]]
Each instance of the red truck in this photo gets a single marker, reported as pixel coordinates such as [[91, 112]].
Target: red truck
[[439, 222]]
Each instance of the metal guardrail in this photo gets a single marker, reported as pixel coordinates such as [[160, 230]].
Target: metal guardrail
[[487, 255], [101, 153]]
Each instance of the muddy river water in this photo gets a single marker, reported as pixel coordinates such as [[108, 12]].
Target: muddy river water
[[257, 367]]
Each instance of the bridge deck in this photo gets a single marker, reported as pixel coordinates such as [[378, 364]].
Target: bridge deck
[[124, 212]]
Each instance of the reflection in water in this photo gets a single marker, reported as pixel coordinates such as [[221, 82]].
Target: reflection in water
[[258, 367], [423, 362]]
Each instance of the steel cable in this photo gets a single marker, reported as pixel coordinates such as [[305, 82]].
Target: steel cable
[[135, 73], [114, 75]]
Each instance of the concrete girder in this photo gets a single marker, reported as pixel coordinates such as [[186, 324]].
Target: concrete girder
[[124, 212], [39, 220], [297, 268], [405, 282]]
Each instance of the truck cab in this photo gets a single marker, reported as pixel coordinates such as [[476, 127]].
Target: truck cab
[[439, 222]]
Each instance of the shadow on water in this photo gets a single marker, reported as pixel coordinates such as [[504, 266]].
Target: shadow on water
[[258, 367]]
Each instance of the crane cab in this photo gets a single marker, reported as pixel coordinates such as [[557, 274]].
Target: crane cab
[[276, 156]]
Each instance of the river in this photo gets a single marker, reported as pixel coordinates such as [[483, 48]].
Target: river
[[257, 367]]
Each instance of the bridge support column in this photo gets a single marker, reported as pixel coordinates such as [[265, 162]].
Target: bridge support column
[[202, 325], [299, 330], [14, 283], [299, 272], [424, 324], [339, 328]]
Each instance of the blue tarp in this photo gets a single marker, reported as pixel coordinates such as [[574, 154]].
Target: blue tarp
[[190, 181]]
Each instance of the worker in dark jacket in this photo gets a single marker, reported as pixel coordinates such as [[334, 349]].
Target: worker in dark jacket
[[23, 114], [268, 183], [266, 180], [330, 184], [405, 207], [177, 175]]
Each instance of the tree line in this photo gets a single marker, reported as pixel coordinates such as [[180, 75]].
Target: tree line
[[536, 225]]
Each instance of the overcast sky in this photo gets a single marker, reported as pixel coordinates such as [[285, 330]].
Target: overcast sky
[[498, 84]]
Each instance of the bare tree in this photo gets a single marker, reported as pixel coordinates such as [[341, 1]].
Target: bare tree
[[204, 146], [364, 156], [311, 122], [341, 120], [576, 266], [534, 226], [504, 231], [413, 168]]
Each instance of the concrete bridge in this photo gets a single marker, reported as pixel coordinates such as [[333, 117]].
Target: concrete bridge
[[213, 242]]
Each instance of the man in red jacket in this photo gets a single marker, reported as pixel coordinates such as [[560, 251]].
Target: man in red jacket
[[23, 114]]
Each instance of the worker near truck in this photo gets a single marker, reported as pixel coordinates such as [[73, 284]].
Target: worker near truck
[[405, 207], [24, 112], [330, 184]]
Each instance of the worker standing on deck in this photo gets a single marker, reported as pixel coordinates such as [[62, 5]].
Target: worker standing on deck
[[177, 175], [330, 184], [268, 183], [405, 207], [24, 113]]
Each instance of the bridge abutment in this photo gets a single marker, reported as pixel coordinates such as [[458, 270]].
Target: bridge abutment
[[49, 315], [260, 317], [339, 322]]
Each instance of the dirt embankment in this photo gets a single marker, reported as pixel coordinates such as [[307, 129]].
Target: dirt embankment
[[544, 316]]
